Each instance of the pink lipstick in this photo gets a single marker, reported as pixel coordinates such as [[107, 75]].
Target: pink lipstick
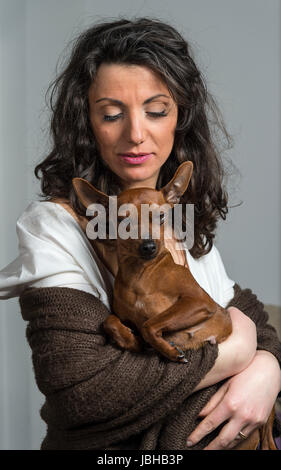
[[135, 159]]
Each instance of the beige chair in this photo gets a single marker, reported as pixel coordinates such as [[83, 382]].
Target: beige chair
[[274, 312]]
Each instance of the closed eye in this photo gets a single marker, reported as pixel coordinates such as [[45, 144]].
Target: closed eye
[[107, 117]]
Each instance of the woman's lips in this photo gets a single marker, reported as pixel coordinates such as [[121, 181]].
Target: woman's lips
[[136, 160]]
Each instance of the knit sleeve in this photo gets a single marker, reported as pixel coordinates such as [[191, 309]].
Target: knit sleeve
[[248, 303], [92, 385]]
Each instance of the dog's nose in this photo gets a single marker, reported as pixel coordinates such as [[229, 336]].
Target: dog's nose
[[147, 249]]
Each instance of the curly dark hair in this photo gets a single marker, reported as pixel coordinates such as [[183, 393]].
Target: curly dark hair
[[159, 46]]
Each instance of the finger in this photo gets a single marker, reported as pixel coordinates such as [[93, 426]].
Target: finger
[[247, 431], [229, 436], [208, 424], [215, 400]]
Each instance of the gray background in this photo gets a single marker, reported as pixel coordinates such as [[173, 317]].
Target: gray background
[[237, 45]]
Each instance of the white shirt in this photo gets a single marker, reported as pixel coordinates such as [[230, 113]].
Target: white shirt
[[55, 252]]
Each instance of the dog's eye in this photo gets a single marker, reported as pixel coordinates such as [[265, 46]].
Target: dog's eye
[[127, 218], [162, 218]]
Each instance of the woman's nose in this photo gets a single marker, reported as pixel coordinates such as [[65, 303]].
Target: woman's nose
[[135, 130]]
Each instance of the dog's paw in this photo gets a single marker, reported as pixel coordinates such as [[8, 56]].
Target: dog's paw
[[181, 357]]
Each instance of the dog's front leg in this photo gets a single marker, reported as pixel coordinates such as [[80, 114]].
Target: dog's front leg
[[121, 334], [185, 313]]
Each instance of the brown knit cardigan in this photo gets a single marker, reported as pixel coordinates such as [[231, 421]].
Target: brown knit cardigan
[[101, 397]]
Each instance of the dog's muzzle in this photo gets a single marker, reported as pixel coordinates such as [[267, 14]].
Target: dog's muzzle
[[148, 249]]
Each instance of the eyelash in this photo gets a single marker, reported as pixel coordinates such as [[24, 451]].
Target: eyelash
[[114, 118]]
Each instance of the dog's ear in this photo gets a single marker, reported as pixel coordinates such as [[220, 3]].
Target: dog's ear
[[88, 194], [178, 184]]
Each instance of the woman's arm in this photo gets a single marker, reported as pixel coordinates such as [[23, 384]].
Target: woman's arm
[[90, 384], [236, 352]]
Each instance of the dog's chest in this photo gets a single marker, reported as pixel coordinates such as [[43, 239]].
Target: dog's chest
[[139, 307], [153, 304]]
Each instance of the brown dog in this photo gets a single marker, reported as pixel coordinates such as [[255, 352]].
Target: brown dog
[[156, 301], [152, 293]]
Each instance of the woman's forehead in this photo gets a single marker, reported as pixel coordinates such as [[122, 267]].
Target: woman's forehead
[[116, 78]]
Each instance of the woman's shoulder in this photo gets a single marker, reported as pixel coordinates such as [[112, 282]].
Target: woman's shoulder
[[39, 210], [210, 260], [53, 251], [47, 227], [210, 273], [42, 217], [213, 264]]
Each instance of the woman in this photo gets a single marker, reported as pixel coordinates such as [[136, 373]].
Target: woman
[[132, 87]]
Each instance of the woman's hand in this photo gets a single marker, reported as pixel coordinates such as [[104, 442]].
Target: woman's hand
[[244, 401]]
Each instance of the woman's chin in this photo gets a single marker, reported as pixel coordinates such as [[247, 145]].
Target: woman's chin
[[139, 177]]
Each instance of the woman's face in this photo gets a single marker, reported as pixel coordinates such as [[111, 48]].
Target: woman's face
[[128, 117]]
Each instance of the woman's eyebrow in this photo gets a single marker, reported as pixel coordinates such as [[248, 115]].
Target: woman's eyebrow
[[121, 103]]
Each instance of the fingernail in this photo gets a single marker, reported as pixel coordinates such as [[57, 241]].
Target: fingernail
[[189, 443]]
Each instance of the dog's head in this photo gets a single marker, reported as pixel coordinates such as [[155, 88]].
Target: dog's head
[[137, 219]]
